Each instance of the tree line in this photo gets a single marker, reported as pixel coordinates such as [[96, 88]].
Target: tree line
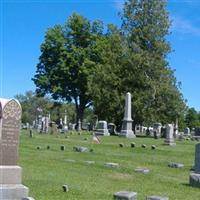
[[91, 65]]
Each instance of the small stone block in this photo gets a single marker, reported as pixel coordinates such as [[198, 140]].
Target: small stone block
[[133, 145], [142, 170], [80, 149], [175, 165], [110, 164], [195, 180], [65, 188], [89, 162], [157, 198], [125, 195], [121, 145], [144, 145], [153, 147], [62, 147]]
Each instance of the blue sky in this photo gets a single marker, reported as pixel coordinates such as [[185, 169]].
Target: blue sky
[[24, 23]]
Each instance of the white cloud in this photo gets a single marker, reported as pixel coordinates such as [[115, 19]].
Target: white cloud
[[184, 26]]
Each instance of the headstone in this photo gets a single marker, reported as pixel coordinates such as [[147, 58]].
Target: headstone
[[194, 179], [10, 174], [102, 129], [197, 158], [125, 195], [79, 125], [169, 135], [112, 129], [197, 131], [126, 130], [187, 131], [157, 130]]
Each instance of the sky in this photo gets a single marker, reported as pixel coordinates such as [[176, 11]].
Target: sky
[[23, 24]]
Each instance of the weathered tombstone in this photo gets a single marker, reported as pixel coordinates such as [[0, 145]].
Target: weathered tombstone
[[197, 131], [112, 129], [157, 130], [187, 131], [169, 135], [126, 130], [102, 129], [10, 174]]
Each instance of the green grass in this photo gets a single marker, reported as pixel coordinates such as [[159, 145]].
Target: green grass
[[45, 171]]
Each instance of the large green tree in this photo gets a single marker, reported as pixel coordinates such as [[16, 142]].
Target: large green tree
[[135, 60], [68, 57]]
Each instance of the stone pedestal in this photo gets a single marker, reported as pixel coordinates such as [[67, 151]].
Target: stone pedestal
[[195, 180], [126, 130], [10, 183]]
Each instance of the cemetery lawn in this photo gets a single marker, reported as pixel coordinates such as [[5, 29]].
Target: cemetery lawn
[[46, 171]]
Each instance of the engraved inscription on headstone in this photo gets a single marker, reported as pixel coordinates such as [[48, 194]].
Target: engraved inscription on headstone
[[10, 115]]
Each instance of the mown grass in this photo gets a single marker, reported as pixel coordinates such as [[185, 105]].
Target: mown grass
[[45, 171]]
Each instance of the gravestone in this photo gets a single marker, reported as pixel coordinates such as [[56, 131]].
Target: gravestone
[[102, 129], [197, 158], [197, 131], [112, 129], [157, 130], [187, 131], [10, 174], [169, 135], [126, 130], [195, 177]]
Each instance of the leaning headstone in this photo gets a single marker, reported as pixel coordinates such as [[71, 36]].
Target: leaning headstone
[[157, 198], [10, 174], [102, 129], [170, 135], [126, 130], [125, 195]]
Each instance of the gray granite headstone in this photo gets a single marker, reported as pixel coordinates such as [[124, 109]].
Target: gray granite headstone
[[9, 132], [197, 158], [10, 174]]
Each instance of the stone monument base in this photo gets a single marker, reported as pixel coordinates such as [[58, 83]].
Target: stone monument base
[[127, 134], [10, 183], [169, 142], [195, 180], [102, 132]]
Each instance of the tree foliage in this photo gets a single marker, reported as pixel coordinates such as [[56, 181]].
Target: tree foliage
[[67, 58]]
